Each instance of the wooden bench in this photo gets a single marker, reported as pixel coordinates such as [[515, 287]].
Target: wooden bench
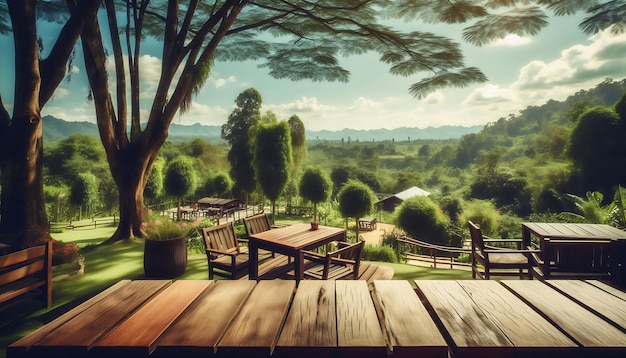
[[27, 271], [367, 224]]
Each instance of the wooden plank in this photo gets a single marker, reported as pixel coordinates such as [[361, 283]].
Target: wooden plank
[[592, 332], [21, 347], [531, 334], [136, 336], [358, 331], [409, 328], [199, 328], [310, 329], [608, 288], [471, 332], [254, 331], [608, 306], [76, 336]]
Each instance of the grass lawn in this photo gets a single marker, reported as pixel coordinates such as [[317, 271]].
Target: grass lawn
[[107, 264]]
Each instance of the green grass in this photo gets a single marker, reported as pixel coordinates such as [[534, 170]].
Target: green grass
[[108, 264]]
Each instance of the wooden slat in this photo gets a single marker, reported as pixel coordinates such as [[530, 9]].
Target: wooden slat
[[585, 327], [359, 332], [607, 288], [21, 347], [253, 333], [471, 331], [76, 336], [610, 307], [410, 330], [137, 335], [23, 256], [531, 334], [199, 328], [310, 329]]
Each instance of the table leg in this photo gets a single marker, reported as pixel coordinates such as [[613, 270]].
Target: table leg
[[298, 265], [253, 257]]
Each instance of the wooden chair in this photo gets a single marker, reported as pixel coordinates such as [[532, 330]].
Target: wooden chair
[[488, 260], [342, 263], [572, 259], [256, 224], [223, 251]]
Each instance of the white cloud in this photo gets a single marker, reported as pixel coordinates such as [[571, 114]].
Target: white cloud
[[61, 93], [220, 82], [436, 97], [512, 40], [203, 114], [578, 65]]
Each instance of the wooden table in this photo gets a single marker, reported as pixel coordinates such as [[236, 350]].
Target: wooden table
[[571, 231], [289, 241], [276, 318]]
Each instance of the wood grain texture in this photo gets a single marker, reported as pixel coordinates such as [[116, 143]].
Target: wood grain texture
[[255, 329], [358, 330], [583, 326], [141, 330], [200, 327], [311, 322], [531, 334], [409, 328], [472, 332], [603, 303], [80, 333], [20, 347]]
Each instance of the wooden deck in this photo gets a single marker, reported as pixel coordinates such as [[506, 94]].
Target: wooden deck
[[344, 318], [280, 268]]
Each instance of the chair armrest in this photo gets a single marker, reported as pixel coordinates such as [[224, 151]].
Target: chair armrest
[[342, 261], [313, 256], [242, 240], [220, 252]]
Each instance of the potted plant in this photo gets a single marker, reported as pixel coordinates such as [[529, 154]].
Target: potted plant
[[165, 248], [314, 186]]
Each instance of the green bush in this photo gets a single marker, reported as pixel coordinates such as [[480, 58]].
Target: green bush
[[379, 253], [484, 214], [423, 220]]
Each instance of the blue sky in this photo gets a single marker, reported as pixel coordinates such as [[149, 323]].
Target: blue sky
[[522, 72]]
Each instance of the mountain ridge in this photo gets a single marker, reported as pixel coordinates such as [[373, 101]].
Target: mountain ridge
[[56, 129]]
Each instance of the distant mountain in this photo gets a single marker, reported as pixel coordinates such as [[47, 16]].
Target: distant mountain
[[400, 134], [55, 129]]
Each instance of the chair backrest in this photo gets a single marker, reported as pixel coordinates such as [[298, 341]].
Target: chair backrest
[[477, 237], [256, 224], [346, 251], [221, 237]]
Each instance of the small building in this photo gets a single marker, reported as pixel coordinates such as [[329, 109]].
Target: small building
[[218, 205], [389, 203]]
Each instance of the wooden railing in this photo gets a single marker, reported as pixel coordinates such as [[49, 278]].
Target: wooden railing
[[426, 252]]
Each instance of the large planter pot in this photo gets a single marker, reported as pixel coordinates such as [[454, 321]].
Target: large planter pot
[[165, 258]]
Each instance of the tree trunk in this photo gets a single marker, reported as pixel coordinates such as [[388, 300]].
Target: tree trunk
[[23, 211], [128, 171]]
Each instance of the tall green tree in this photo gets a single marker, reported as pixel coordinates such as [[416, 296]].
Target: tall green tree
[[314, 186], [272, 159], [597, 148], [180, 179], [298, 146], [84, 193], [236, 132], [37, 75], [355, 200]]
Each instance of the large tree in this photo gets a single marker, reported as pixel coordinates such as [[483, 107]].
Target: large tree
[[236, 131], [272, 159], [22, 213]]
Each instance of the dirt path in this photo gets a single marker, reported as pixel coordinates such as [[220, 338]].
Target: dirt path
[[374, 237]]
